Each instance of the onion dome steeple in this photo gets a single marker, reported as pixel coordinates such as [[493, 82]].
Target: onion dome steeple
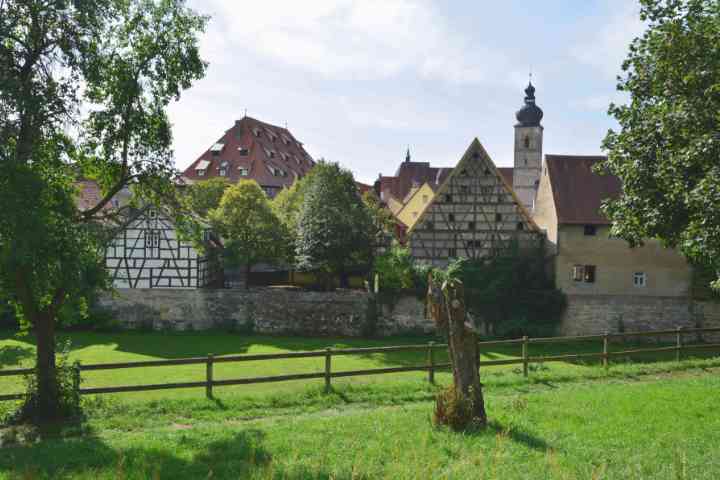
[[530, 114]]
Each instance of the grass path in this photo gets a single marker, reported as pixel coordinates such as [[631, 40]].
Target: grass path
[[654, 426]]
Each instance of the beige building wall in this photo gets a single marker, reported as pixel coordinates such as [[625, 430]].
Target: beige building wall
[[666, 272], [415, 205], [394, 204], [544, 213]]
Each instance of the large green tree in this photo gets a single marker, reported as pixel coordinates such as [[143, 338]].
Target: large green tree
[[83, 90], [250, 231], [334, 225], [667, 150]]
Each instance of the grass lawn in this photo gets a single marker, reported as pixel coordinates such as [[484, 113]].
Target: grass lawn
[[653, 426], [91, 347]]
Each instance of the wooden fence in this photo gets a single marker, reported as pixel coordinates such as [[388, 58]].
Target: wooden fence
[[430, 366]]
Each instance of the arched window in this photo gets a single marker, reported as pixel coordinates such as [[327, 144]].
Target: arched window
[[527, 141]]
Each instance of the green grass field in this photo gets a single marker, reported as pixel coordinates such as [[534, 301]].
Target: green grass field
[[641, 420], [89, 348]]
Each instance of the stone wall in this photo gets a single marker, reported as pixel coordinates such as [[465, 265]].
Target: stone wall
[[283, 311], [289, 311], [596, 314]]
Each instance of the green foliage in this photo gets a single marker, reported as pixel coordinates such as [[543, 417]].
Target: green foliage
[[511, 293], [68, 393], [666, 151], [334, 225], [203, 196], [398, 271], [108, 70], [383, 221], [251, 231]]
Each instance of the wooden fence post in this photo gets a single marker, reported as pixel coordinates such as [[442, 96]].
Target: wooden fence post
[[525, 355], [678, 344], [606, 350], [431, 362], [76, 378], [209, 376], [328, 357]]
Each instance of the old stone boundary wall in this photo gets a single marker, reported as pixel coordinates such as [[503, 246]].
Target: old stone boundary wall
[[596, 314], [287, 311]]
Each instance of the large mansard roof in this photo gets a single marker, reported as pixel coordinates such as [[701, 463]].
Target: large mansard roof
[[269, 154]]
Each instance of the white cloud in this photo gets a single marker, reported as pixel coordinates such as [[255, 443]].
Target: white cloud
[[607, 47], [368, 39]]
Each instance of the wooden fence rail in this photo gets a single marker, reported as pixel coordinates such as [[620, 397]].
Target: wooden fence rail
[[604, 353]]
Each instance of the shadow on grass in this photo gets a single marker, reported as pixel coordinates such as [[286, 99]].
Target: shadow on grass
[[234, 457], [13, 355], [518, 435]]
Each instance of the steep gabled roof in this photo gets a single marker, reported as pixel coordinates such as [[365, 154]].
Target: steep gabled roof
[[578, 191], [258, 147], [505, 178]]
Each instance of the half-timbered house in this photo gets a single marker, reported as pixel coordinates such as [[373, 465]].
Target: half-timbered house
[[474, 214], [146, 252]]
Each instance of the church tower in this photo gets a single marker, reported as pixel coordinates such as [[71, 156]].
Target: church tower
[[528, 150]]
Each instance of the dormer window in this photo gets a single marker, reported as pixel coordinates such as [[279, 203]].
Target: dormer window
[[201, 167], [244, 152], [216, 149]]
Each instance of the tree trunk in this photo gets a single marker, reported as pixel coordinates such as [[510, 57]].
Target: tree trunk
[[447, 307], [248, 268], [47, 386]]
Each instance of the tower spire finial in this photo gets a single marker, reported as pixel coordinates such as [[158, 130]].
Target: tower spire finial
[[407, 155]]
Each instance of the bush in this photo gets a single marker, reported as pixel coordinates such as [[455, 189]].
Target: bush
[[455, 411], [398, 271], [511, 293], [69, 395]]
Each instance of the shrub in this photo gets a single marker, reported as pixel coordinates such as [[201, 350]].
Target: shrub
[[68, 393], [398, 271], [455, 411]]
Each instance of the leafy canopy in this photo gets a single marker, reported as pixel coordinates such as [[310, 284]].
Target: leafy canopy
[[334, 225], [667, 150], [250, 230]]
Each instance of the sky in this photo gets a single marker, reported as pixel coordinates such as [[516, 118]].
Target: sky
[[360, 81]]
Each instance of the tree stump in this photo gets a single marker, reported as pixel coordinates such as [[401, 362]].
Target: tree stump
[[462, 405]]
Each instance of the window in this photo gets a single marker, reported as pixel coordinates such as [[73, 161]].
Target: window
[[200, 172], [216, 149], [527, 144], [589, 273], [452, 252], [429, 225], [590, 230], [498, 217], [425, 198], [414, 214], [584, 273], [152, 243], [464, 189], [487, 171], [471, 225], [244, 172], [520, 226], [152, 214], [486, 190], [639, 279], [473, 244], [448, 198], [223, 172], [451, 217], [244, 152]]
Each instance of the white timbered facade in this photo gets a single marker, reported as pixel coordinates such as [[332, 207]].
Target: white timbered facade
[[474, 214], [147, 253]]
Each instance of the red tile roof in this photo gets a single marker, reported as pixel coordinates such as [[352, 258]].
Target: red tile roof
[[267, 148], [577, 190]]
